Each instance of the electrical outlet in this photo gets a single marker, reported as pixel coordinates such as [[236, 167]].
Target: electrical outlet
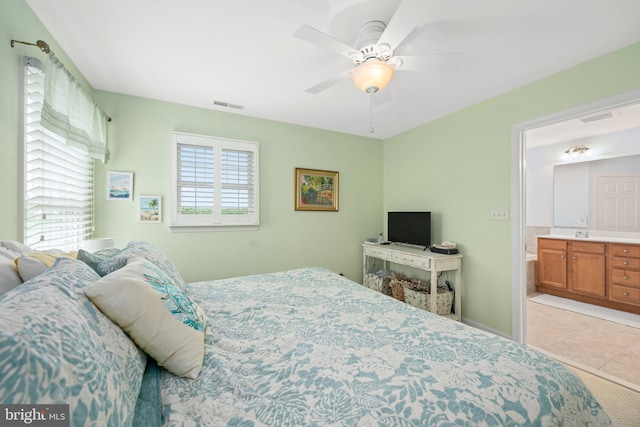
[[499, 214]]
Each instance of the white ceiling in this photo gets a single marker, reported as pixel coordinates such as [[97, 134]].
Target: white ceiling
[[243, 52], [596, 123]]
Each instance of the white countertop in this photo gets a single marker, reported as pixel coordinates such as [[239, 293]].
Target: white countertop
[[595, 236]]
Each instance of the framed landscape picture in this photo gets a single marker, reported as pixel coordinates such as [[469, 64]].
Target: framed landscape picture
[[149, 208], [316, 190], [119, 186]]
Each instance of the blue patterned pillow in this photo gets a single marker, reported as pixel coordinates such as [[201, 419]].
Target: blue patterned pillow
[[95, 259], [57, 347], [138, 249], [110, 265]]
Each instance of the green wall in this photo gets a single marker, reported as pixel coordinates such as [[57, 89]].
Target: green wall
[[140, 143], [459, 167]]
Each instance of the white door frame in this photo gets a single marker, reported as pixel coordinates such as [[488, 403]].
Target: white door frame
[[518, 200]]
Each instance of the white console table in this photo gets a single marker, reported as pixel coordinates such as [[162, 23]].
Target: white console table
[[422, 260]]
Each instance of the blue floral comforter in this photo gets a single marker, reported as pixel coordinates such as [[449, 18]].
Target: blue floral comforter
[[310, 348]]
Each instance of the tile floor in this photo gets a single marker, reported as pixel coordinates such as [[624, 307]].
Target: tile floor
[[603, 347]]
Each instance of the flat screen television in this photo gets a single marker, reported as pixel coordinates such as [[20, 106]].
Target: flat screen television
[[412, 228]]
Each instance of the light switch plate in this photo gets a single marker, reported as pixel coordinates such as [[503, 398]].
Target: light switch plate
[[500, 214]]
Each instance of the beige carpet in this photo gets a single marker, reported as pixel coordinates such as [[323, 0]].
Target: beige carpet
[[621, 403]]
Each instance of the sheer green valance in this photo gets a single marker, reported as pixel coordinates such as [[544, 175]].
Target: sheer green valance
[[70, 112]]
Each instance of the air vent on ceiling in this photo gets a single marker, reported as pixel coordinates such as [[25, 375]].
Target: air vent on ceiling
[[596, 117], [228, 105]]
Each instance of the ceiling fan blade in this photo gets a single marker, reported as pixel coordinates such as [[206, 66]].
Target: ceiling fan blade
[[328, 83], [441, 62], [321, 39], [402, 23]]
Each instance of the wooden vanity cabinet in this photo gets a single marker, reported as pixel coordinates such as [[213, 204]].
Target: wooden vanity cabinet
[[587, 268], [601, 273]]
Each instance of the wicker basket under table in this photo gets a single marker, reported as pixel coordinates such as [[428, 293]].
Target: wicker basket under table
[[399, 282], [378, 283], [421, 298]]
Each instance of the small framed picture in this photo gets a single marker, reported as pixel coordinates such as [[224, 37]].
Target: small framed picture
[[316, 190], [120, 186], [149, 208]]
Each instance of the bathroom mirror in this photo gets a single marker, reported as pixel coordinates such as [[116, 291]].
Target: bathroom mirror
[[574, 188]]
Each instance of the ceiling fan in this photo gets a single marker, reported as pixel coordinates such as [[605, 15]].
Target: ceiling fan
[[373, 51]]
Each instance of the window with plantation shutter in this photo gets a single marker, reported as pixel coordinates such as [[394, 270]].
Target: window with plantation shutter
[[57, 178], [214, 182]]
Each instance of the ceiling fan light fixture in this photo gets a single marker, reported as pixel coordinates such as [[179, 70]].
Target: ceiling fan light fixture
[[372, 76]]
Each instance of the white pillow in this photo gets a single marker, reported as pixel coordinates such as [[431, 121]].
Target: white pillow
[[127, 297], [16, 247], [9, 277], [8, 254], [37, 262], [30, 267]]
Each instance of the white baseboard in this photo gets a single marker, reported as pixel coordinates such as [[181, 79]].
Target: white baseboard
[[485, 328]]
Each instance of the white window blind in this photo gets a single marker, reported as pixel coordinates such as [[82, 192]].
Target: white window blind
[[238, 181], [195, 180], [215, 182], [57, 178]]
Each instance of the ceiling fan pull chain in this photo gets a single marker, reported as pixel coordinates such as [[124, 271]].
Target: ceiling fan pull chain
[[371, 126]]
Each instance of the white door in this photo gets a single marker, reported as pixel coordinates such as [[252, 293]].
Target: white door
[[617, 203]]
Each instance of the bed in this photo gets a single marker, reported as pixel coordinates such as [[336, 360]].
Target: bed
[[311, 348], [305, 347]]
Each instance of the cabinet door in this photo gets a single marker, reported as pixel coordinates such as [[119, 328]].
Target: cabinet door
[[587, 274], [552, 264]]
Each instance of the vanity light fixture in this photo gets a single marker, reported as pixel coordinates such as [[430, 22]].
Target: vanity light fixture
[[576, 150]]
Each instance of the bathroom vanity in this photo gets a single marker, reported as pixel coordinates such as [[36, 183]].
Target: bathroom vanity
[[596, 270]]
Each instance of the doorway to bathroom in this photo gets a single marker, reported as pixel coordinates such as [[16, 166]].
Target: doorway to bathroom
[[608, 129]]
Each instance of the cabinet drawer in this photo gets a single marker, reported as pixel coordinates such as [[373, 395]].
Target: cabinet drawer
[[625, 263], [625, 250], [446, 264], [588, 247], [552, 244], [624, 294], [376, 252], [411, 260], [625, 277]]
